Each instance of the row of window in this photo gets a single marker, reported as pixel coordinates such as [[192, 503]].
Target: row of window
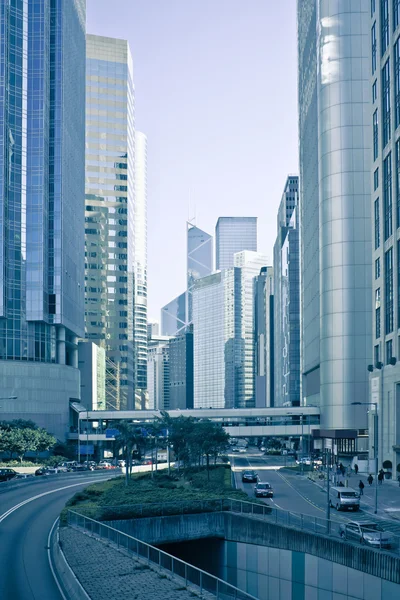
[[389, 293], [387, 208]]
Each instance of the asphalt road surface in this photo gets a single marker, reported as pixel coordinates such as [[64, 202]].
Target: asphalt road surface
[[27, 514]]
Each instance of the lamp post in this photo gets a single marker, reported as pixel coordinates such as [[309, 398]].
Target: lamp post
[[375, 404], [302, 443]]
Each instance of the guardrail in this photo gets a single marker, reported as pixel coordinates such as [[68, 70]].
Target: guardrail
[[304, 522], [179, 569]]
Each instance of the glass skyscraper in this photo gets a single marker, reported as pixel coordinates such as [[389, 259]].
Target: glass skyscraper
[[232, 235], [199, 260], [287, 298], [140, 266], [264, 338], [42, 120], [335, 213], [109, 206], [173, 316]]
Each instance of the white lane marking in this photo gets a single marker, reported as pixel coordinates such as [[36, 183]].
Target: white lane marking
[[51, 562], [17, 506]]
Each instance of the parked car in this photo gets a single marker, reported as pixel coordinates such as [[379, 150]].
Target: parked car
[[249, 476], [305, 460], [263, 490], [343, 498], [242, 450], [368, 533], [7, 474], [42, 471]]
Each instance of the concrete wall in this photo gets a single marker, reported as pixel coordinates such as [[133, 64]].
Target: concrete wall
[[42, 391]]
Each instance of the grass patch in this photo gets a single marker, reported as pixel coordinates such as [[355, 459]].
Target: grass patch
[[162, 494]]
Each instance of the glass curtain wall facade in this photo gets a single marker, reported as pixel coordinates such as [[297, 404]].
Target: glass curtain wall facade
[[109, 207], [158, 374], [173, 316], [217, 343], [385, 206], [42, 121], [249, 264], [335, 213], [232, 235], [264, 332], [140, 264], [199, 260], [287, 298], [181, 371]]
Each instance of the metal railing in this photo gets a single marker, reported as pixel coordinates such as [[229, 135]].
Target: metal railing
[[189, 575]]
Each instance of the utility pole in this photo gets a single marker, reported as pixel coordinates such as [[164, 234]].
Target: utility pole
[[328, 464]]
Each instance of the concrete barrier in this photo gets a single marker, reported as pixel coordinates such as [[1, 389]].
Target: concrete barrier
[[62, 572]]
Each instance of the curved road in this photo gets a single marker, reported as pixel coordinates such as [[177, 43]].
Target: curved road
[[25, 573]]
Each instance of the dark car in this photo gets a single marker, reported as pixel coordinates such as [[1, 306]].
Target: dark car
[[42, 471], [249, 477], [369, 533], [7, 474], [263, 490]]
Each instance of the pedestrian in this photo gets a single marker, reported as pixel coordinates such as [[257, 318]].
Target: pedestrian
[[356, 469], [380, 478], [361, 486], [370, 479]]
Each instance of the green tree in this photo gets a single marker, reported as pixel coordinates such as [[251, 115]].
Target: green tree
[[19, 441], [214, 440], [129, 439]]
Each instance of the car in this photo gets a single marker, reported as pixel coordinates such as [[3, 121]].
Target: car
[[103, 464], [263, 490], [121, 463], [249, 476], [366, 532], [234, 449], [242, 450], [306, 460], [42, 471], [7, 474], [263, 449]]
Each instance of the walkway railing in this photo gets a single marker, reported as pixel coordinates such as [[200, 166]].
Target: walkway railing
[[188, 574]]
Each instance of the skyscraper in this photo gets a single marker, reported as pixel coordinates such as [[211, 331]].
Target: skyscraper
[[110, 194], [181, 371], [287, 298], [42, 123], [250, 264], [232, 235], [140, 268], [217, 343], [385, 188], [199, 260], [335, 216], [173, 316], [264, 338], [158, 373]]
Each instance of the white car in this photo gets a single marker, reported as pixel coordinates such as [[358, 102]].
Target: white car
[[242, 450]]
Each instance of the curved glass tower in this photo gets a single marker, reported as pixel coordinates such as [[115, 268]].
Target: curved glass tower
[[335, 158]]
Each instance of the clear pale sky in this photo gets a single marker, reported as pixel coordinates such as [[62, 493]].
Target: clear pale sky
[[216, 95]]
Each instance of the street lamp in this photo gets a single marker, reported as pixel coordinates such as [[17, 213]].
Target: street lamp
[[375, 404]]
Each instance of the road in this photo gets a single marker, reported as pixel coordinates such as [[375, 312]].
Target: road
[[25, 572]]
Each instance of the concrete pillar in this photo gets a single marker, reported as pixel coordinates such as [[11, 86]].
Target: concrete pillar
[[61, 345]]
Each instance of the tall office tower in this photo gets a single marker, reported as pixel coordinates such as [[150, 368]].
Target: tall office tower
[[173, 316], [158, 373], [42, 137], [92, 365], [335, 216], [110, 195], [264, 337], [385, 187], [232, 235], [140, 269], [250, 264], [217, 348], [287, 298], [199, 260], [181, 371]]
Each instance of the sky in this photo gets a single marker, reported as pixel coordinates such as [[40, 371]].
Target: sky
[[216, 95]]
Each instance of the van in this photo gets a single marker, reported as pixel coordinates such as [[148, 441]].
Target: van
[[344, 498]]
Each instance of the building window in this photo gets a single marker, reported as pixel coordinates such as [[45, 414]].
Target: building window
[[376, 355], [375, 133], [384, 25], [389, 291], [376, 179], [389, 351], [378, 313], [396, 13], [397, 82], [377, 225], [377, 268], [386, 103], [374, 92], [373, 47], [387, 195]]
